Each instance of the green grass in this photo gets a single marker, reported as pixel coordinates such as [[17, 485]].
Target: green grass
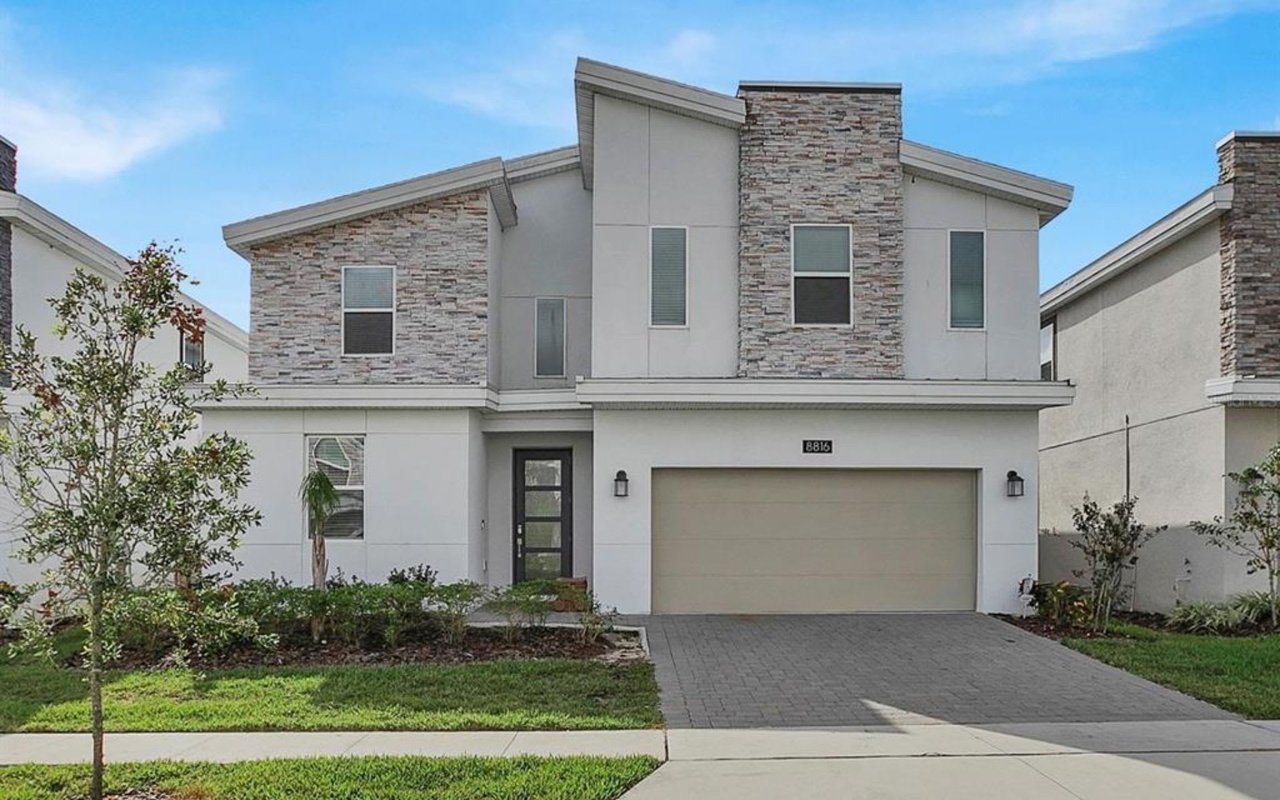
[[550, 694], [1238, 673], [346, 778]]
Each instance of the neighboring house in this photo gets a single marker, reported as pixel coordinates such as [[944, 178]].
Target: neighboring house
[[39, 252], [750, 353], [1172, 340]]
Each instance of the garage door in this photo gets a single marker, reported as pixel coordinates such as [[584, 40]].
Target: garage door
[[782, 541]]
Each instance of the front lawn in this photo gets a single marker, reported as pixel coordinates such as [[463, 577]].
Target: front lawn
[[1238, 673], [345, 778], [539, 694]]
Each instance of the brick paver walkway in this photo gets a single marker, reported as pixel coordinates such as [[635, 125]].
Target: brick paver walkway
[[873, 669]]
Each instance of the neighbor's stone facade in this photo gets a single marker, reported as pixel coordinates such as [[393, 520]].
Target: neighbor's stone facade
[[1250, 251], [820, 157], [439, 249]]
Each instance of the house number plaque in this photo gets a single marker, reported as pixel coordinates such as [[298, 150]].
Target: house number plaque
[[817, 445]]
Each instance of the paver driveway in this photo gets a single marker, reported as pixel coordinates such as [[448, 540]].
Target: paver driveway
[[875, 669]]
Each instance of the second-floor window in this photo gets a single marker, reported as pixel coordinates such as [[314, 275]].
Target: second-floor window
[[190, 352], [668, 277], [821, 274], [548, 356], [1048, 344], [368, 310], [967, 279]]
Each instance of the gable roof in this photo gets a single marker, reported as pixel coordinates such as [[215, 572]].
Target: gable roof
[[55, 231], [1164, 232], [1050, 198]]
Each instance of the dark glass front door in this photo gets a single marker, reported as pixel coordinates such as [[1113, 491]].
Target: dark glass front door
[[542, 536]]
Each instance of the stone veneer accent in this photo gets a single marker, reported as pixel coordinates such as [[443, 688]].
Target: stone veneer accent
[[1250, 254], [439, 249], [8, 183], [824, 156]]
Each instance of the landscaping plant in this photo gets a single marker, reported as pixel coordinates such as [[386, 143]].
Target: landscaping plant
[[320, 499], [1062, 604], [113, 487], [1109, 541], [453, 602], [1253, 529], [521, 605]]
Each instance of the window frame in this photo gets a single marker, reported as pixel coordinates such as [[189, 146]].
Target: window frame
[[306, 513], [182, 351], [342, 332], [951, 327], [649, 284], [847, 275], [1053, 348], [564, 338]]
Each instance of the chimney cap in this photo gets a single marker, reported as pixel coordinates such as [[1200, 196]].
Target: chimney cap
[[1248, 136], [820, 86]]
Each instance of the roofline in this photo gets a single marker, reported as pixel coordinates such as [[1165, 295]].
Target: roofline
[[1164, 232], [820, 86], [5, 140], [540, 165], [487, 174], [1049, 197], [62, 235], [1247, 136], [596, 77]]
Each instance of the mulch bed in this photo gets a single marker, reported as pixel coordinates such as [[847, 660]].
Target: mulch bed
[[480, 644], [1042, 627]]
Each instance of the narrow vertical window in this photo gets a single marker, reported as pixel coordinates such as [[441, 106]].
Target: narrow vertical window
[[668, 277], [1048, 346], [967, 279], [368, 310], [341, 458], [190, 353], [549, 338], [821, 275]]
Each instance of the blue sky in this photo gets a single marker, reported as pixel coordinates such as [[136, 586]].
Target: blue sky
[[164, 120]]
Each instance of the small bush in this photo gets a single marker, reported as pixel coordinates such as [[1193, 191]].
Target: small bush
[[1206, 617], [1254, 607], [420, 574], [1062, 604], [177, 623], [594, 618], [523, 604], [453, 602]]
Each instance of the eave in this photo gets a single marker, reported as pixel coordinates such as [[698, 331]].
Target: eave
[[1048, 197], [1168, 230], [1243, 391]]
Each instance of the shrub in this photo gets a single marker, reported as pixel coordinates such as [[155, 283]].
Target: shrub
[[594, 618], [1062, 604], [453, 602], [1206, 617], [419, 573], [1109, 541], [523, 604], [1254, 607], [160, 623]]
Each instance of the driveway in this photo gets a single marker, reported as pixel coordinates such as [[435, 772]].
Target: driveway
[[877, 669]]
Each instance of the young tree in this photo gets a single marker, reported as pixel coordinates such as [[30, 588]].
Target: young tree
[[320, 499], [114, 490], [1109, 541], [1253, 529]]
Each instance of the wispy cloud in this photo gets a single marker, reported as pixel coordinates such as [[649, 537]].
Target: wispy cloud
[[70, 131], [937, 47]]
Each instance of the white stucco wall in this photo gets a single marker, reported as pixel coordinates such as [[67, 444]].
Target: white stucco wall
[[548, 254], [1007, 348], [424, 492], [639, 441], [656, 168]]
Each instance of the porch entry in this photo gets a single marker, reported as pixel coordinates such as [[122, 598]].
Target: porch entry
[[542, 535]]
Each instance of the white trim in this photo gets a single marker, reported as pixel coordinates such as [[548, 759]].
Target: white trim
[[540, 165], [345, 310], [564, 336], [951, 328], [1243, 391], [1246, 135], [1169, 229], [98, 257], [811, 274], [649, 287], [1050, 198], [800, 393], [418, 396]]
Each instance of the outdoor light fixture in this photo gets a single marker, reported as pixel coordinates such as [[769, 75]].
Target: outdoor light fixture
[[1014, 484], [620, 484]]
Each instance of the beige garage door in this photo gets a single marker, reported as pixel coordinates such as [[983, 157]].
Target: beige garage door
[[780, 541]]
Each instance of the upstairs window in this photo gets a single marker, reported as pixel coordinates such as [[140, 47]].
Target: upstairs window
[[190, 353], [368, 310], [821, 274], [341, 458], [967, 279], [548, 357], [668, 277], [1048, 346]]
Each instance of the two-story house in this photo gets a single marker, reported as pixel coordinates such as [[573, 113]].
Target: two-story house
[[751, 353], [1172, 339], [39, 252]]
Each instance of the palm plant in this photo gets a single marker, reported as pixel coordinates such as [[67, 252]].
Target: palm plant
[[320, 500]]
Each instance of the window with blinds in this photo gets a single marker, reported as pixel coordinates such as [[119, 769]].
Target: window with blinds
[[341, 458], [549, 338], [668, 277], [967, 279], [821, 275], [368, 310], [191, 354]]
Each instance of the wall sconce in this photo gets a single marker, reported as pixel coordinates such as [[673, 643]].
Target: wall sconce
[[620, 484], [1014, 484]]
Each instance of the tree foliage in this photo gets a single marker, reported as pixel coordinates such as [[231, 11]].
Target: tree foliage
[[1109, 541], [114, 488]]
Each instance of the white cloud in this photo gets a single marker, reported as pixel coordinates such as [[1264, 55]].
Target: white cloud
[[63, 132]]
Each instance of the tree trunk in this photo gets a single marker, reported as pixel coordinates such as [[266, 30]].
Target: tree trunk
[[95, 693], [1275, 601], [319, 575]]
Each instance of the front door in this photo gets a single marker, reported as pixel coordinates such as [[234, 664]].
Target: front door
[[543, 534]]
